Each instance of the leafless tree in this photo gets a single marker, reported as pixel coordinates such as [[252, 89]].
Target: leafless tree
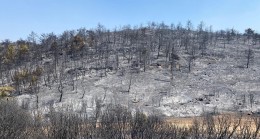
[[251, 99], [11, 125], [61, 86], [249, 56]]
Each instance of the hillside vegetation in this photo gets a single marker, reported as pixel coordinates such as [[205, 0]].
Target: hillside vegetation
[[159, 69], [117, 122]]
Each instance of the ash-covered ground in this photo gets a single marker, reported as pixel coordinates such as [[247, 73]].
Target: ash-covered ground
[[217, 82]]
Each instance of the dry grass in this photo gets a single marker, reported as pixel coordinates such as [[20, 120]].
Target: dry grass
[[242, 120]]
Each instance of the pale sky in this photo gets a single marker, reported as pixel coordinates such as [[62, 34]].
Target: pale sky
[[20, 17]]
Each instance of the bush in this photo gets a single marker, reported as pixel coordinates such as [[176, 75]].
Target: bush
[[14, 121], [6, 91]]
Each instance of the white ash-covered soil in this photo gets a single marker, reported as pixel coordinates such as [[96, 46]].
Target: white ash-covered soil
[[218, 82]]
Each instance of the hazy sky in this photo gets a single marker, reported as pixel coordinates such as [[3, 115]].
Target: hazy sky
[[20, 17]]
